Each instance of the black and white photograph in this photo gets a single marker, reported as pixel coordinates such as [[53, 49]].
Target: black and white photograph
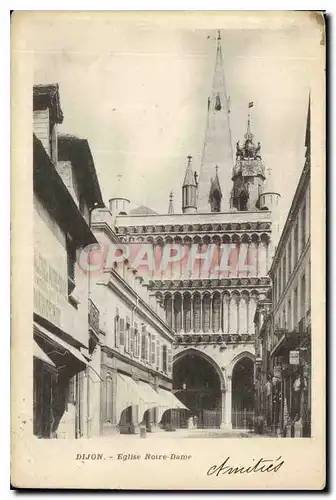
[[171, 235]]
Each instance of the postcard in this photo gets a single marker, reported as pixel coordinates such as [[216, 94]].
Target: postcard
[[168, 250]]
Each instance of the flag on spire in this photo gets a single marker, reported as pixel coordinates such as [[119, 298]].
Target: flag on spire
[[251, 104]]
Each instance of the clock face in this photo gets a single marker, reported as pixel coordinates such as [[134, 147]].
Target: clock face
[[249, 170]]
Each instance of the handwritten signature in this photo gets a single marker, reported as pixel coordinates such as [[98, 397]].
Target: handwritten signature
[[262, 465]]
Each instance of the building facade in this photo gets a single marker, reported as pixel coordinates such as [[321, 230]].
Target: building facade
[[208, 266], [135, 343], [64, 195], [286, 329]]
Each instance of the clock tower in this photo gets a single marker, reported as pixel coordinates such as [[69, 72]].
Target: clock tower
[[248, 174]]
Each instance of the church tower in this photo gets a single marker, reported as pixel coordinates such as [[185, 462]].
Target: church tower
[[217, 145], [248, 174]]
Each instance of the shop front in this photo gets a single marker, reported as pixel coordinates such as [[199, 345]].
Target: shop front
[[290, 385]]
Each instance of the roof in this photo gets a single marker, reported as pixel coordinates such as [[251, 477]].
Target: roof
[[47, 96], [78, 152], [142, 210], [189, 178], [52, 191]]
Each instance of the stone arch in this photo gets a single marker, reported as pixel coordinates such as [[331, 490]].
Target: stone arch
[[209, 359], [239, 357]]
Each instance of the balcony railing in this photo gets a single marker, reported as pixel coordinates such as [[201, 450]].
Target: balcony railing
[[93, 318]]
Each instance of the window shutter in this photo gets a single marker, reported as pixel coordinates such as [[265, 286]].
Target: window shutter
[[153, 350], [116, 328], [136, 340], [147, 347], [164, 358], [122, 331], [131, 341], [143, 342], [170, 361], [161, 358], [127, 334], [158, 355]]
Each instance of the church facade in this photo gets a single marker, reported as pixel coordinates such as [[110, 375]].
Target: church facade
[[208, 266]]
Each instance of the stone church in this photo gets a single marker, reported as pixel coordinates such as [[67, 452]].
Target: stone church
[[211, 265]]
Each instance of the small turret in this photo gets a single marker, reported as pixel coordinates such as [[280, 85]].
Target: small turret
[[189, 190], [269, 199], [119, 204], [215, 196], [171, 205]]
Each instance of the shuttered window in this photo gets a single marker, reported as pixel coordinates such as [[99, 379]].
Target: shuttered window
[[116, 328], [136, 340], [122, 331], [153, 350], [131, 344], [158, 355], [127, 334], [164, 358], [71, 262], [143, 342], [147, 347], [170, 361]]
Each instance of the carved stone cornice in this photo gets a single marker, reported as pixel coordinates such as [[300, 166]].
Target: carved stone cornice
[[211, 284], [193, 230], [220, 339]]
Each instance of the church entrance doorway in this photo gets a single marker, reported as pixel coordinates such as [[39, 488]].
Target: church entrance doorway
[[243, 394], [197, 385]]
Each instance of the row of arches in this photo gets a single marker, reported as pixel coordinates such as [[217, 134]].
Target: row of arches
[[216, 239], [234, 226], [205, 312]]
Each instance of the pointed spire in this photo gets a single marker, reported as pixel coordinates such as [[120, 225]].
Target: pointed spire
[[217, 145], [249, 135], [215, 195], [189, 189], [189, 178], [171, 206]]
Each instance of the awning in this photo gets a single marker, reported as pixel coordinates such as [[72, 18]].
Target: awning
[[40, 354], [171, 401], [130, 392], [289, 340], [58, 342]]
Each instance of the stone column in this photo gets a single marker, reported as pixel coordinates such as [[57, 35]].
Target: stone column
[[226, 310], [262, 258], [228, 403], [182, 313], [234, 314], [223, 416]]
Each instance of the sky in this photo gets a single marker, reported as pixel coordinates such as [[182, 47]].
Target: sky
[[138, 92]]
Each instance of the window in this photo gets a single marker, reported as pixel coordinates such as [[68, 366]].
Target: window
[[303, 226], [284, 324], [122, 331], [164, 358], [136, 340], [289, 315], [289, 259], [296, 243], [284, 272], [116, 328], [170, 361], [127, 334], [71, 262], [143, 342], [216, 313], [168, 309], [303, 296], [295, 308], [153, 350], [158, 355]]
